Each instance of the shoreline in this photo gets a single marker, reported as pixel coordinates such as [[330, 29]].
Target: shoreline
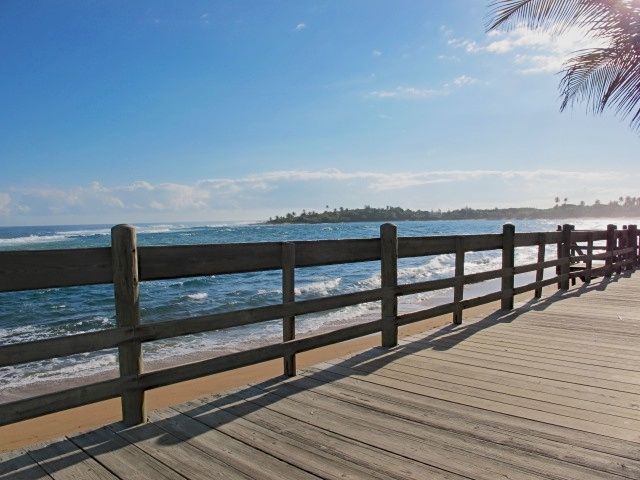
[[79, 419]]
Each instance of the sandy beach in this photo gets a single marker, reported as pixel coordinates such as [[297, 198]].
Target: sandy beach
[[87, 417]]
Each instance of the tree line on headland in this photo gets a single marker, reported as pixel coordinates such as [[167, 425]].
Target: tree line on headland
[[623, 207]]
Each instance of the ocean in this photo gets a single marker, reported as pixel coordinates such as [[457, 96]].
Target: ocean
[[38, 314]]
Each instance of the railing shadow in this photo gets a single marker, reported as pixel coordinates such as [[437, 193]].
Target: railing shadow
[[193, 419]]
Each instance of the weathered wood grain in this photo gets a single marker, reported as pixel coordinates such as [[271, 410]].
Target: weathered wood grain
[[458, 289], [388, 283], [33, 269], [126, 286], [288, 295], [508, 262], [37, 406]]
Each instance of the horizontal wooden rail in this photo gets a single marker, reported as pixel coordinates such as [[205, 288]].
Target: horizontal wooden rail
[[69, 398], [531, 267], [532, 239], [23, 270], [34, 269]]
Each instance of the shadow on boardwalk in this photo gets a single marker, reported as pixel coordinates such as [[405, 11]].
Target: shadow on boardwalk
[[231, 406]]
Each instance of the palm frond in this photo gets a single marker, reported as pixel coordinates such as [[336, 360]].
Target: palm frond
[[603, 78], [598, 16]]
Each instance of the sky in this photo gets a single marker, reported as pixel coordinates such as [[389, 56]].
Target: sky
[[164, 111]]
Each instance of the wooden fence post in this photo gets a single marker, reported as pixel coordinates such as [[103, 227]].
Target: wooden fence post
[[542, 248], [288, 295], [124, 256], [458, 289], [389, 281], [565, 268], [559, 256], [633, 243], [622, 243], [508, 261], [589, 261], [611, 244]]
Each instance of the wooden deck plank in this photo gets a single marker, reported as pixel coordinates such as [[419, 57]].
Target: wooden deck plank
[[578, 396], [239, 455], [185, 459], [419, 409], [484, 418], [122, 458], [442, 444], [65, 461], [19, 465], [559, 344], [546, 373], [543, 351], [322, 453], [584, 439], [524, 409], [596, 371], [286, 412], [508, 395], [552, 357], [612, 379]]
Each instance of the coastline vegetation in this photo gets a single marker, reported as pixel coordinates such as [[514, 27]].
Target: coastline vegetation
[[624, 206]]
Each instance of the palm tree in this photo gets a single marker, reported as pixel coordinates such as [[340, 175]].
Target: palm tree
[[604, 77]]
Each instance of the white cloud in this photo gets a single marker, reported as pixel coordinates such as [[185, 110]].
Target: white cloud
[[463, 80], [299, 27], [534, 51], [469, 46], [376, 53], [451, 58], [417, 93], [407, 93]]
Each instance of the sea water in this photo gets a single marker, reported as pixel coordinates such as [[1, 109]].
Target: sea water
[[38, 314]]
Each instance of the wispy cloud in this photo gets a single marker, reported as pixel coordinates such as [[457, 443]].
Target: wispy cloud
[[533, 51], [407, 93], [463, 80], [451, 58], [376, 53], [418, 93], [299, 27]]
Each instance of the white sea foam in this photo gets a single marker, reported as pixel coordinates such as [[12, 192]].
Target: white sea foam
[[85, 233], [57, 369], [31, 239], [198, 296], [321, 287], [161, 228]]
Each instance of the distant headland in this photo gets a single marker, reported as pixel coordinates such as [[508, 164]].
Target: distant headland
[[624, 206]]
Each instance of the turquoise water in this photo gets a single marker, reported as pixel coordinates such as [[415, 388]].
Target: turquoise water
[[38, 314]]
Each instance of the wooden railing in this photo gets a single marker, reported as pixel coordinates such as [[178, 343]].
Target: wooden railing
[[126, 265]]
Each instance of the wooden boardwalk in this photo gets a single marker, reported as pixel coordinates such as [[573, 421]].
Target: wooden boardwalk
[[549, 390]]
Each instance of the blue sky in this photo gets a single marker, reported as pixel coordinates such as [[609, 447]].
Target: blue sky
[[211, 111]]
